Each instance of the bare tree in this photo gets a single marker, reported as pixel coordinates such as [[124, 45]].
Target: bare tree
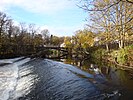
[[3, 22], [46, 36], [9, 29]]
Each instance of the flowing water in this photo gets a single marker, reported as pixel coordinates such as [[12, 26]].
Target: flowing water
[[42, 79]]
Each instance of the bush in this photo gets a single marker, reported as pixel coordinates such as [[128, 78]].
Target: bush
[[125, 54], [99, 54]]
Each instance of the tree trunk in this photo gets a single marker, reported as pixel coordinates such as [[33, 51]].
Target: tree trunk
[[107, 47], [121, 44]]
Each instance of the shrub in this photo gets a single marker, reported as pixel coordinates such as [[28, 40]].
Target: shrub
[[125, 54], [98, 54]]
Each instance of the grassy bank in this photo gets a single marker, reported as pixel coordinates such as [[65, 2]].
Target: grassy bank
[[122, 57]]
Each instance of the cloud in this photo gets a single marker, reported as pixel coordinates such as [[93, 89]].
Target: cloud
[[62, 30], [58, 21], [38, 6]]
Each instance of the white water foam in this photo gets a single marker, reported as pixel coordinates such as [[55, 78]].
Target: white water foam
[[8, 76]]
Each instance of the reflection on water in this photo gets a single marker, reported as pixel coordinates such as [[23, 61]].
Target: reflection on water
[[59, 81], [120, 78]]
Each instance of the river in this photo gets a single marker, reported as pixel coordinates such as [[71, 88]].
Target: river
[[43, 79]]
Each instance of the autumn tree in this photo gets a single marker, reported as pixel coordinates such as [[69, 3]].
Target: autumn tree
[[112, 17], [83, 39], [80, 42]]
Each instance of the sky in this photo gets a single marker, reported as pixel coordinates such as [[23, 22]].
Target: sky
[[60, 17]]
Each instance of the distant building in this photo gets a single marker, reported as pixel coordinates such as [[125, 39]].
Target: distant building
[[62, 45]]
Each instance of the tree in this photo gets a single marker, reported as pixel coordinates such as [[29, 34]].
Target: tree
[[9, 29], [16, 33], [46, 36], [3, 22], [55, 41], [38, 40], [80, 42], [112, 17], [83, 39], [68, 42]]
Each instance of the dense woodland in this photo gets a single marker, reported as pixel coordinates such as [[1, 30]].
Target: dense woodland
[[22, 39]]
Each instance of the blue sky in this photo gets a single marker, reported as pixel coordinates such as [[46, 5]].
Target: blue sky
[[60, 17]]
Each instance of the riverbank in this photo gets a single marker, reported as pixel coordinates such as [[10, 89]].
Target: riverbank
[[121, 57]]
